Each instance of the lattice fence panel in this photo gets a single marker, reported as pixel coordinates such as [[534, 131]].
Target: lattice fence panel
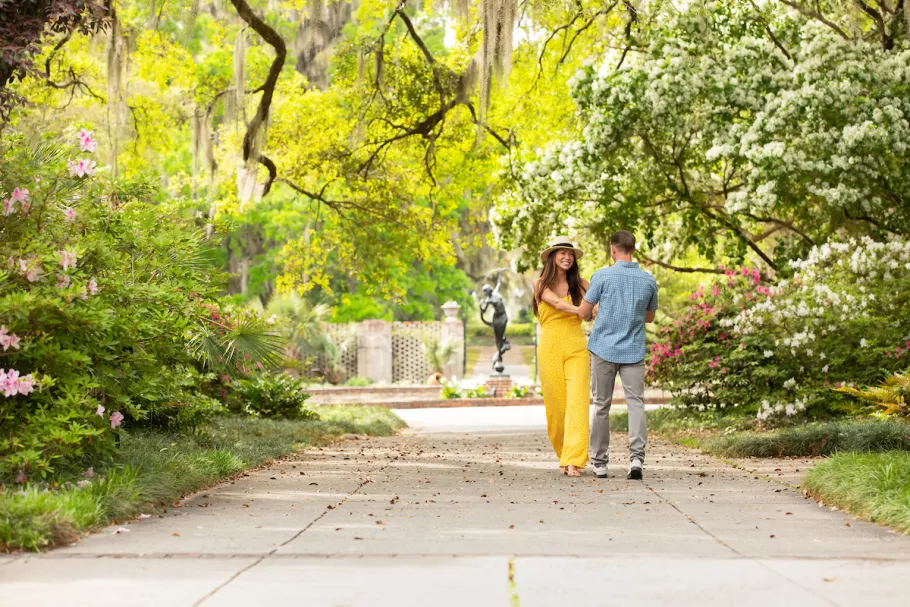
[[409, 359]]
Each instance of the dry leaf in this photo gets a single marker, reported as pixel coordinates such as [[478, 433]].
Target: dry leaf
[[176, 534]]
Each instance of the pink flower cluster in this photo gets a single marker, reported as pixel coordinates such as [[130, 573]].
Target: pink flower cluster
[[19, 195], [68, 259], [87, 142], [8, 340], [81, 167], [12, 384], [754, 274], [899, 351]]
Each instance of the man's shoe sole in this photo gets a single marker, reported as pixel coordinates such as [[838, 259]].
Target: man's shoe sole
[[634, 474], [602, 475]]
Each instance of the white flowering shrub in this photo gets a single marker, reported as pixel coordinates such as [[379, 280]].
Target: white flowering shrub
[[781, 350], [716, 134]]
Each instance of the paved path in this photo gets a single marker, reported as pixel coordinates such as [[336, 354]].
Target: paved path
[[461, 515]]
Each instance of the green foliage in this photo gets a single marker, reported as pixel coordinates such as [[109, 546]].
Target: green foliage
[[450, 391], [155, 469], [814, 440], [102, 290], [478, 392], [519, 391], [890, 396], [359, 382], [875, 486], [273, 395]]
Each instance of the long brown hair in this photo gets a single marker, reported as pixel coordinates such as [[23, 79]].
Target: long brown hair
[[548, 279]]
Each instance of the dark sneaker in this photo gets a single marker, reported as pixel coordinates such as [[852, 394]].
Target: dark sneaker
[[634, 470]]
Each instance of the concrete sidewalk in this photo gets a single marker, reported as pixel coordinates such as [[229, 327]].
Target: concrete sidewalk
[[477, 517]]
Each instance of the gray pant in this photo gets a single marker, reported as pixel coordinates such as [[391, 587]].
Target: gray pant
[[603, 378]]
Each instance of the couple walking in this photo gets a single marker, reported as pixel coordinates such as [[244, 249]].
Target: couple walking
[[621, 298]]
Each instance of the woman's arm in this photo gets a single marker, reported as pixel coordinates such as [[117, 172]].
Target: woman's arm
[[560, 304]]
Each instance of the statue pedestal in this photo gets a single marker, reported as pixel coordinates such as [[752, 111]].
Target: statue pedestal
[[499, 384]]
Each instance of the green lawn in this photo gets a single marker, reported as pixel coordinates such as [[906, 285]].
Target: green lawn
[[875, 486], [155, 469], [814, 440]]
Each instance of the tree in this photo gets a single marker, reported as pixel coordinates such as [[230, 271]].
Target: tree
[[23, 24], [734, 131]]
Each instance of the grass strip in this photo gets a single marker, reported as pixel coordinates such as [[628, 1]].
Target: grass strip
[[155, 469], [875, 486], [814, 440]]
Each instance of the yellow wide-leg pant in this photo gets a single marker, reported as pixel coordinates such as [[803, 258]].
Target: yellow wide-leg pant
[[565, 376]]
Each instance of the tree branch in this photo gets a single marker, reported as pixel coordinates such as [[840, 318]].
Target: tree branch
[[268, 88], [678, 268], [817, 15]]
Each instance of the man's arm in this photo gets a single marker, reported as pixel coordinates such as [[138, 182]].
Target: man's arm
[[651, 309]]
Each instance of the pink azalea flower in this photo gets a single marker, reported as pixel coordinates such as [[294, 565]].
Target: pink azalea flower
[[715, 291], [63, 281], [89, 473], [198, 214], [9, 207], [10, 382], [67, 259], [86, 143], [116, 419], [100, 411], [20, 195], [21, 477], [70, 214], [93, 286], [26, 385], [81, 167], [33, 275]]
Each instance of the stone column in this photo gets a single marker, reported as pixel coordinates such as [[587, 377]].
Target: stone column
[[453, 333], [374, 350]]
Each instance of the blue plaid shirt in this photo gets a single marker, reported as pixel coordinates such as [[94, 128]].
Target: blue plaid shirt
[[624, 292]]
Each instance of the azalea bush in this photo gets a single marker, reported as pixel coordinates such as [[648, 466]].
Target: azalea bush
[[781, 350], [100, 292]]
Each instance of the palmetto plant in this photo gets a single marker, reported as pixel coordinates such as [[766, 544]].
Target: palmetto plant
[[890, 395], [438, 352], [303, 324], [236, 344]]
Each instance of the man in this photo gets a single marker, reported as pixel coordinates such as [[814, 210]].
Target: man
[[626, 297]]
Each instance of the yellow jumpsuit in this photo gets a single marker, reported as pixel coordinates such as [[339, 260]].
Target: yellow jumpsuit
[[565, 376]]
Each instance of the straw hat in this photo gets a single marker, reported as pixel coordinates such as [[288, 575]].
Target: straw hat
[[561, 242]]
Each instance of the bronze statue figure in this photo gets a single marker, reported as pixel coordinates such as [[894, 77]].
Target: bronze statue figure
[[492, 299]]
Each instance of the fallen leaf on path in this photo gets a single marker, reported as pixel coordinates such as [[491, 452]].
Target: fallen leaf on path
[[788, 513], [176, 534], [830, 579], [246, 505], [122, 530], [483, 495], [511, 526]]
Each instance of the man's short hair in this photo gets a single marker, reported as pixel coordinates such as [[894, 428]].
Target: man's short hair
[[624, 241]]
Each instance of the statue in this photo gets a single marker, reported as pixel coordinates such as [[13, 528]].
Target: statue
[[493, 299]]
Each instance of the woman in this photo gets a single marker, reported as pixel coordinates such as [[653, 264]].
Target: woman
[[562, 354]]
